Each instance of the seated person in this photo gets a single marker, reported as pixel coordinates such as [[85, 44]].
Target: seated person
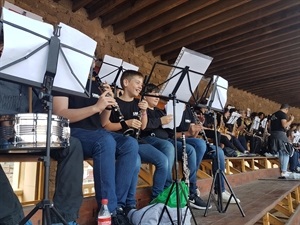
[[114, 155], [69, 175]]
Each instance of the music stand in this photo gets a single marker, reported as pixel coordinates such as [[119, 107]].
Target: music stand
[[216, 102], [54, 54], [183, 73], [111, 70]]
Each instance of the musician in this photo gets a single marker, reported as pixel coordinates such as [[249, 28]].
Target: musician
[[192, 130], [154, 130], [294, 160], [115, 156], [231, 131], [135, 115], [278, 124], [69, 175]]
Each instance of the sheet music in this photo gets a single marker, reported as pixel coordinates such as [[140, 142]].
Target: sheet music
[[110, 67], [21, 11], [180, 107], [19, 44], [197, 63], [255, 123], [218, 101], [263, 123], [233, 117], [296, 137]]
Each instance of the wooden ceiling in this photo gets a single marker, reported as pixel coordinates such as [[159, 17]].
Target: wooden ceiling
[[255, 44]]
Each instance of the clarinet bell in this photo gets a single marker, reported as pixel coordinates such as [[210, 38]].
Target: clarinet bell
[[129, 132]]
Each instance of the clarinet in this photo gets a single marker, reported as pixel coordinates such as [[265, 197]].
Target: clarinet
[[186, 170], [197, 121], [126, 130]]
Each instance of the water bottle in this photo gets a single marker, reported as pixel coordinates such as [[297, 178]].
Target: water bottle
[[104, 217]]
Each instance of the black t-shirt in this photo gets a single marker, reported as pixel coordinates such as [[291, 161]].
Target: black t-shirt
[[186, 120], [276, 121], [93, 122], [130, 110], [154, 126]]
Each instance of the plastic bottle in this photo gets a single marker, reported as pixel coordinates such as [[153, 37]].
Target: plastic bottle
[[104, 217]]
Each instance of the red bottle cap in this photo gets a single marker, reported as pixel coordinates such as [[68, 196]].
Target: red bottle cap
[[104, 201]]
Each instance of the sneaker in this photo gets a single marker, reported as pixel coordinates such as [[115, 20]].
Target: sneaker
[[225, 197], [197, 203], [119, 218], [198, 192], [285, 174]]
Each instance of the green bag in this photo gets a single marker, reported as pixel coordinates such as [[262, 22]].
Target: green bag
[[172, 202]]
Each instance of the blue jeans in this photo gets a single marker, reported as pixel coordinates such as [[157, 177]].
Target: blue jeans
[[284, 160], [150, 154], [215, 165], [168, 149], [116, 165], [294, 162]]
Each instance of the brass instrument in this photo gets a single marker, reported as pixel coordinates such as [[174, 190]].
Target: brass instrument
[[126, 130]]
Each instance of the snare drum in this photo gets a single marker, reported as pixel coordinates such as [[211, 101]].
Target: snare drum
[[29, 131]]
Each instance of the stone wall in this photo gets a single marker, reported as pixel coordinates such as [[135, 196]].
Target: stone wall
[[115, 45]]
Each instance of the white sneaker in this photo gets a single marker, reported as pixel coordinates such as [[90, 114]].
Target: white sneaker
[[286, 174], [225, 197], [198, 192], [295, 176]]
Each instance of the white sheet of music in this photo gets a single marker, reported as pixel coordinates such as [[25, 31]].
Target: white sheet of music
[[233, 117], [263, 123], [180, 107], [196, 62], [220, 96], [108, 73], [255, 123], [19, 44]]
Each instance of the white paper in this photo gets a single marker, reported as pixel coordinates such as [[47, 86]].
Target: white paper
[[296, 137], [218, 101], [19, 43], [110, 68], [233, 117], [179, 108], [255, 123], [263, 123], [196, 62]]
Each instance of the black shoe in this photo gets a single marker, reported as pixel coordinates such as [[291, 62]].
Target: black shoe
[[119, 218], [197, 203]]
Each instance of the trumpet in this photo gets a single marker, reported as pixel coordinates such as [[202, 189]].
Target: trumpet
[[126, 130]]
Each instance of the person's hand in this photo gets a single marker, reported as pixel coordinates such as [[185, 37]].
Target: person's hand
[[166, 119], [194, 129], [134, 123], [105, 100], [143, 105]]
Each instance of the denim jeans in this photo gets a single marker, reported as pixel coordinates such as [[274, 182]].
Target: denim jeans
[[150, 154], [294, 162], [284, 160], [116, 165], [215, 165], [168, 149]]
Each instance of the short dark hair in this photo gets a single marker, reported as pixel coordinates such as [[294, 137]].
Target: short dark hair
[[151, 87], [284, 106], [129, 74]]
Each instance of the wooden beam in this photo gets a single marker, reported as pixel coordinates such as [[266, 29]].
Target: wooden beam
[[145, 15], [102, 7], [183, 12], [80, 4], [191, 20], [122, 13]]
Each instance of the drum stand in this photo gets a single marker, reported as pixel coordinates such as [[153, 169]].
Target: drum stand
[[45, 204]]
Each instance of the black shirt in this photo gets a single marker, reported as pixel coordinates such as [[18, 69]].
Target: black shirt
[[75, 102], [276, 121]]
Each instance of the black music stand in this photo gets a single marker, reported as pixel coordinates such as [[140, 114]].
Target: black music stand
[[219, 174], [55, 47], [183, 72]]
